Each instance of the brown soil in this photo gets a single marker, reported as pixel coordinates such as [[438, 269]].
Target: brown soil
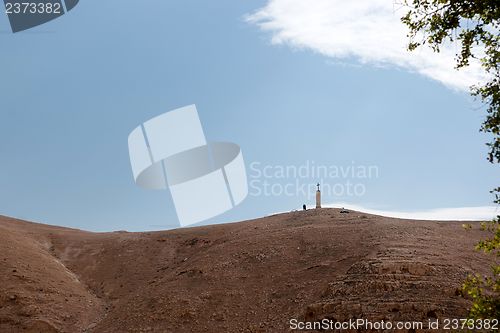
[[252, 276]]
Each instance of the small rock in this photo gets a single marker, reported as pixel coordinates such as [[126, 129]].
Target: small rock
[[91, 326], [12, 297]]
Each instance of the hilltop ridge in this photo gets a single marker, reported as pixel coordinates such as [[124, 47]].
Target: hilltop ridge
[[251, 276]]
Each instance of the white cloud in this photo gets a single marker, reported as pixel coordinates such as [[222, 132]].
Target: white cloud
[[368, 30], [481, 213]]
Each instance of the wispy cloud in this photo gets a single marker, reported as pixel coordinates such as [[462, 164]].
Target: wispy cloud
[[481, 213], [368, 30]]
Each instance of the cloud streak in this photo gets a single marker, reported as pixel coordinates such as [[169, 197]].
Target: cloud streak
[[368, 30], [480, 213]]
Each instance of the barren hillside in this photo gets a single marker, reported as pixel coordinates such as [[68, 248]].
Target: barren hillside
[[252, 276]]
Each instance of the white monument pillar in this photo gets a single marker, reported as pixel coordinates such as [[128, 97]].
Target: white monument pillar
[[318, 197]]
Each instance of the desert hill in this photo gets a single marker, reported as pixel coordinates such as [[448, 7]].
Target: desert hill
[[251, 276]]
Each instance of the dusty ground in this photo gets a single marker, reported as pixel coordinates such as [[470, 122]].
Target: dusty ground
[[252, 276]]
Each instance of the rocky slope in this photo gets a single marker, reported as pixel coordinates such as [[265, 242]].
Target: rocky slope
[[252, 276]]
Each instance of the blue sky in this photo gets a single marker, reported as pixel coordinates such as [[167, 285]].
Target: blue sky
[[74, 88]]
